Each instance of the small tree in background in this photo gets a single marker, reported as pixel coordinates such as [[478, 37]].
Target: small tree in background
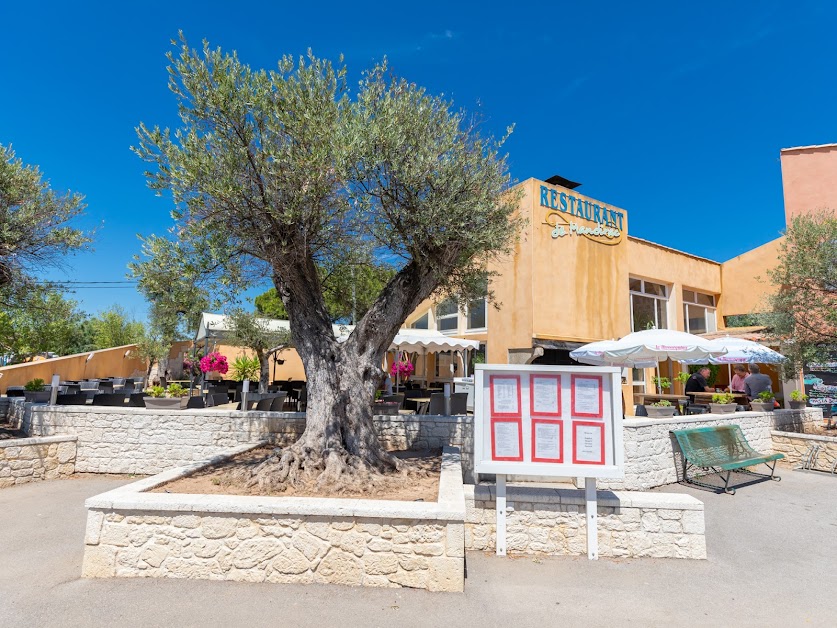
[[803, 310], [113, 328], [246, 330], [283, 171]]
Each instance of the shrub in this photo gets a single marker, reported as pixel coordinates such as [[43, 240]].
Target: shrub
[[35, 385], [245, 368], [766, 395], [798, 395], [176, 390], [662, 403], [724, 398], [156, 391]]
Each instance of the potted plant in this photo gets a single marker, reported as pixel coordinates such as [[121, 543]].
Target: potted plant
[[660, 409], [722, 403], [683, 377], [798, 400], [35, 392], [662, 383], [765, 402], [402, 370], [175, 397]]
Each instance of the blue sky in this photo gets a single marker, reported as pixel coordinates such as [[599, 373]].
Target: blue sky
[[675, 112]]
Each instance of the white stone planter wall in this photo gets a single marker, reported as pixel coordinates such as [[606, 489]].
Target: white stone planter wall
[[4, 407], [652, 457], [132, 533], [796, 448], [25, 460], [552, 521], [142, 441]]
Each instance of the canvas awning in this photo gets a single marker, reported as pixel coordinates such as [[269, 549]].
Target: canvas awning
[[418, 340]]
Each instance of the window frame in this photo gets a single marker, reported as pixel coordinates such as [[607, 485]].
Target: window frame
[[713, 309], [454, 315], [650, 295]]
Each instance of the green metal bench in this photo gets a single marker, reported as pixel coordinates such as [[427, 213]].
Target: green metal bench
[[721, 448]]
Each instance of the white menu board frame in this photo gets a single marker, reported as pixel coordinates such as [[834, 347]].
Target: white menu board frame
[[570, 462]]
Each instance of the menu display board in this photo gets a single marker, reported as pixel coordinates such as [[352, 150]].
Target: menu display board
[[548, 420]]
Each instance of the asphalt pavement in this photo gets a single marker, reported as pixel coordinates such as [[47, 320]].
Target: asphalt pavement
[[772, 561]]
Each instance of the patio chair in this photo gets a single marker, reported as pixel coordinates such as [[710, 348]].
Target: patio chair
[[459, 403], [109, 399], [278, 402], [136, 400], [15, 391], [77, 399], [195, 402], [437, 403], [302, 399], [640, 410], [216, 399], [263, 405]]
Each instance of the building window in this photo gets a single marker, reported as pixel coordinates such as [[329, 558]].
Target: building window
[[421, 322], [699, 312], [649, 302], [476, 314], [447, 316], [638, 377]]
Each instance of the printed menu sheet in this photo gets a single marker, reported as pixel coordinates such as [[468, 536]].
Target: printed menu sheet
[[505, 395], [506, 440], [587, 396], [547, 445], [545, 395], [588, 445]]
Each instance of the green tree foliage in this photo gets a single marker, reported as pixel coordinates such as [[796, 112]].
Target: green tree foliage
[[34, 224], [41, 321], [803, 310], [247, 330], [114, 328], [280, 173], [349, 289]]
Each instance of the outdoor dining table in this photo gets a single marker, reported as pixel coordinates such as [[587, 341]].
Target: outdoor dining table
[[706, 397], [646, 398]]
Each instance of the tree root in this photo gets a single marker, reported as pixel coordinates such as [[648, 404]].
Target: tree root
[[332, 472]]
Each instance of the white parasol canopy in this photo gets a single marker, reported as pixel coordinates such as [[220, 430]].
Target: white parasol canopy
[[646, 348], [741, 351], [417, 340], [595, 354]]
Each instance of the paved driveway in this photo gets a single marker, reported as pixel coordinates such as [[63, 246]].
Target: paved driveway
[[772, 561]]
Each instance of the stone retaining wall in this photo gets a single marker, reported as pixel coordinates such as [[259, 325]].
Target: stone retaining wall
[[4, 408], [25, 460], [797, 447], [552, 521], [131, 532], [136, 440]]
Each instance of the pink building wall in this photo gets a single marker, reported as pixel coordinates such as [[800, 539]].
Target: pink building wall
[[809, 179]]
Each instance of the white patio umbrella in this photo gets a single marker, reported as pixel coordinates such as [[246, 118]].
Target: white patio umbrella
[[662, 344], [596, 354], [743, 351]]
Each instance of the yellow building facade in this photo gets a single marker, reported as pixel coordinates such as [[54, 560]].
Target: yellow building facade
[[576, 276]]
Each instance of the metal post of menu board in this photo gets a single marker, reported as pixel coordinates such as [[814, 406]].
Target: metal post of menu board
[[591, 506], [501, 515]]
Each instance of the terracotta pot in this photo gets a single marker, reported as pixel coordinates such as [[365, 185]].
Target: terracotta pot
[[722, 408]]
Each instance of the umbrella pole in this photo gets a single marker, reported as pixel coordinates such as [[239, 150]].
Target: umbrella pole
[[729, 375]]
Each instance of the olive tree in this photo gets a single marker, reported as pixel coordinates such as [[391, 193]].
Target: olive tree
[[289, 168], [803, 309], [34, 224]]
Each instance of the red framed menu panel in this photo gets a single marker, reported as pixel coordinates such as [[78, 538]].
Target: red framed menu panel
[[507, 440], [545, 395], [588, 443], [547, 441], [505, 396], [587, 396]]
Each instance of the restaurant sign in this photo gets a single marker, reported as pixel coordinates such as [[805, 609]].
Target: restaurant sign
[[569, 215]]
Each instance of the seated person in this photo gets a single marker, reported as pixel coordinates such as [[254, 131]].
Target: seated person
[[756, 382], [737, 384], [697, 382]]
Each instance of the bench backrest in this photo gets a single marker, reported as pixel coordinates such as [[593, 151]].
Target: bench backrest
[[705, 446]]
